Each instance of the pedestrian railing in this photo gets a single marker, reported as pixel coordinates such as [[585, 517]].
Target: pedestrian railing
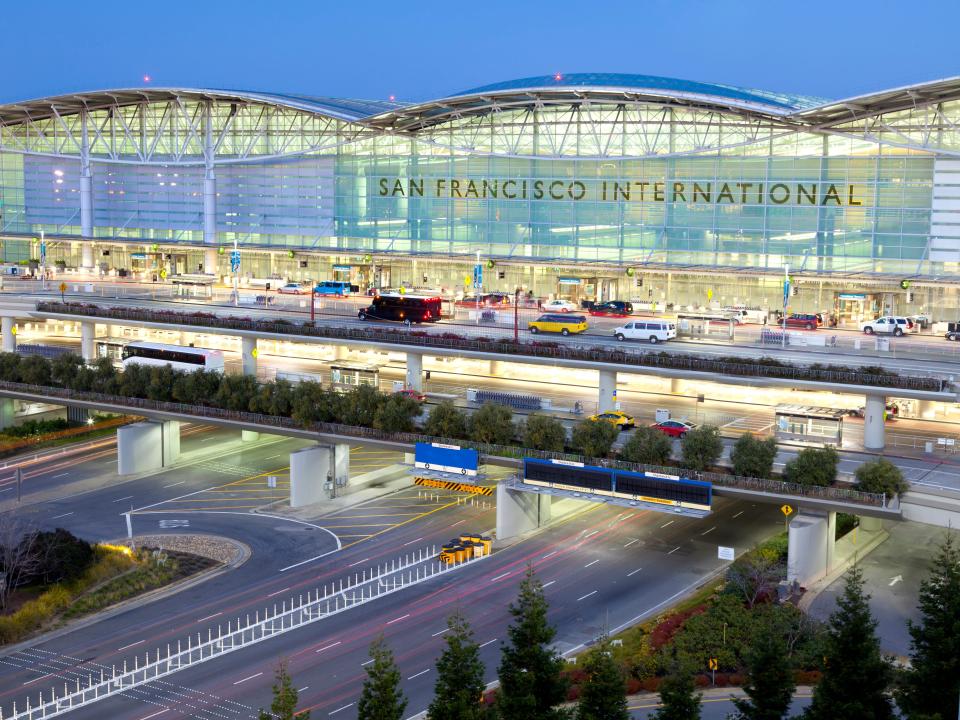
[[360, 588]]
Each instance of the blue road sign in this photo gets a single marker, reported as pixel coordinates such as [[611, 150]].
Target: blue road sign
[[478, 275], [234, 260], [446, 458]]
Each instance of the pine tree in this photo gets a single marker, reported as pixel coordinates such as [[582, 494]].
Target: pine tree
[[770, 685], [603, 696], [856, 675], [677, 697], [284, 705], [458, 692], [933, 684], [381, 697], [531, 687]]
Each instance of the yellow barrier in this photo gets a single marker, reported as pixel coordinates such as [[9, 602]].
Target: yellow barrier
[[457, 486]]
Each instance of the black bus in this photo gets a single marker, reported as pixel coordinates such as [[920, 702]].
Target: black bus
[[405, 308]]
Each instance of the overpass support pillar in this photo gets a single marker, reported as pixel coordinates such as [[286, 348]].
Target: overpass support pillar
[[210, 261], [146, 446], [248, 354], [873, 417], [6, 413], [674, 386], [415, 371], [607, 399], [9, 334], [316, 473], [926, 409], [86, 255], [340, 352], [87, 332], [497, 368], [812, 538], [520, 512]]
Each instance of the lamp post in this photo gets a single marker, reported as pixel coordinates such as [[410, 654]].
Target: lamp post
[[477, 283], [516, 317], [786, 297], [43, 261]]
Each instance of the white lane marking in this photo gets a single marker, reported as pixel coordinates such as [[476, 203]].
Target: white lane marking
[[549, 554], [665, 524], [127, 497], [60, 475], [590, 534], [55, 517], [488, 642], [208, 439], [174, 484], [635, 540], [248, 678], [158, 712], [707, 532], [402, 617], [130, 645], [499, 577], [674, 550], [738, 515], [634, 572], [278, 592], [274, 457], [413, 541], [209, 617], [458, 522], [7, 489], [339, 709], [440, 633], [422, 672], [546, 585], [327, 647], [310, 560], [358, 562], [367, 662], [305, 687], [594, 562], [584, 597]]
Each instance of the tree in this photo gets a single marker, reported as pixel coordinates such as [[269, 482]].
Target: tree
[[677, 697], [531, 686], [35, 370], [701, 447], [647, 446], [459, 687], [603, 694], [396, 414], [754, 576], [813, 466], [594, 438], [542, 432], [856, 675], [932, 685], [770, 684], [381, 697], [18, 557], [492, 423], [60, 555], [284, 705], [446, 421], [752, 457], [881, 476]]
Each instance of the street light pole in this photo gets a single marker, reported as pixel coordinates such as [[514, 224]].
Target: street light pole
[[786, 297], [516, 317], [477, 284]]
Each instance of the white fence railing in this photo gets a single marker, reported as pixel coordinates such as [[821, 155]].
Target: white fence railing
[[357, 589]]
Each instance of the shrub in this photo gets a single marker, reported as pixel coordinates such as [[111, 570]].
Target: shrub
[[752, 457], [880, 476], [396, 414], [492, 423], [60, 555], [542, 432], [594, 438], [36, 427], [813, 466], [647, 446], [702, 447], [446, 421]]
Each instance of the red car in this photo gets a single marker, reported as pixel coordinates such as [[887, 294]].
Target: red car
[[413, 395], [614, 308], [805, 321], [674, 428]]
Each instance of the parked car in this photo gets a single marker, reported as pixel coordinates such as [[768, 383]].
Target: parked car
[[653, 330], [559, 305], [615, 417], [887, 325], [293, 289], [674, 428], [806, 321], [339, 288], [486, 300], [563, 324], [953, 331], [613, 308], [413, 395], [890, 411]]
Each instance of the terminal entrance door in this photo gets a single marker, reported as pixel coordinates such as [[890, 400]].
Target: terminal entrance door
[[852, 309], [594, 289]]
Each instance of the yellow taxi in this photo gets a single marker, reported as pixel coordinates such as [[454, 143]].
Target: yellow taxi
[[565, 324], [615, 417]]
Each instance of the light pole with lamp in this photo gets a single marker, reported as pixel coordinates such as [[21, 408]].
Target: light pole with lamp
[[43, 261], [478, 283], [786, 297]]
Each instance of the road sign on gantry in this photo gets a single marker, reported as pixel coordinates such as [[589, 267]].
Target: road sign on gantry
[[442, 459]]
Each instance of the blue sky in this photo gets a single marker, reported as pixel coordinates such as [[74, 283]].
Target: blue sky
[[422, 50]]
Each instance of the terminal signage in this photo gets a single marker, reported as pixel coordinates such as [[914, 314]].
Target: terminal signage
[[453, 459]]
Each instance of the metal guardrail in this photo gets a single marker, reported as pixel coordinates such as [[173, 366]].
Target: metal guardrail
[[131, 405], [506, 346], [360, 588]]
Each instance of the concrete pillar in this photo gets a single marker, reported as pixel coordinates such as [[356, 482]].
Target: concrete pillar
[[497, 368], [341, 462], [210, 261], [248, 346], [86, 196], [340, 352], [88, 330], [415, 371], [146, 446], [249, 436], [675, 386], [209, 179], [608, 390], [871, 524], [926, 409], [807, 554], [520, 512], [873, 422], [77, 414], [87, 261], [6, 413], [831, 539], [9, 335], [310, 469]]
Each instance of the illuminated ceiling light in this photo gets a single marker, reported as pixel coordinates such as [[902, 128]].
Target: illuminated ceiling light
[[558, 76], [146, 78], [58, 173], [392, 98]]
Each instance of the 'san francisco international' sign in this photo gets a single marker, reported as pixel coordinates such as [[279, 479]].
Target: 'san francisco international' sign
[[740, 193]]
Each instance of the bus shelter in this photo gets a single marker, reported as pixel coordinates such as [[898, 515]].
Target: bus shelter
[[705, 325], [820, 425], [348, 377]]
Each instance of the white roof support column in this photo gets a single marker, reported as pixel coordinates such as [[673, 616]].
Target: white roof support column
[[210, 179], [86, 193]]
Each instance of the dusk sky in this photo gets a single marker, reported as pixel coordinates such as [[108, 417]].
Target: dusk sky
[[424, 50]]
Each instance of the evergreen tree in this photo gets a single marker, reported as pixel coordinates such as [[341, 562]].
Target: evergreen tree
[[932, 685], [856, 676], [531, 687], [458, 692], [381, 697], [603, 696], [677, 697], [284, 705], [770, 684]]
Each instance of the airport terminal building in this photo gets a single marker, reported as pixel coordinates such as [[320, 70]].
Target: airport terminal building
[[586, 186]]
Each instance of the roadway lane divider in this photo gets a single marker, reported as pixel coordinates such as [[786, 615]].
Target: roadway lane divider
[[355, 589], [451, 485]]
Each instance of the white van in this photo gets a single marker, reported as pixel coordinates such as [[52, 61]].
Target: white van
[[653, 330]]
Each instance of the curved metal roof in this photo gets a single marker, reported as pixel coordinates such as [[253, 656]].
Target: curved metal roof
[[901, 98]]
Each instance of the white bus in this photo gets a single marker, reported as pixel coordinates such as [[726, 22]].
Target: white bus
[[187, 359]]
